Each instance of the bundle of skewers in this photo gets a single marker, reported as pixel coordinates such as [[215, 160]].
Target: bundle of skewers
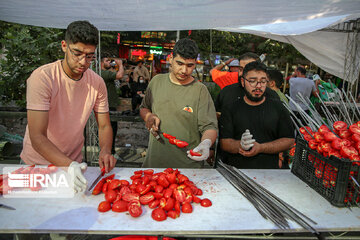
[[333, 133], [266, 203]]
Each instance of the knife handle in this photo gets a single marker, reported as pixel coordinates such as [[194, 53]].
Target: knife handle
[[103, 171]]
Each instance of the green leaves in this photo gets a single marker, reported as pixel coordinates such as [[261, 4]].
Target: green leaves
[[24, 48]]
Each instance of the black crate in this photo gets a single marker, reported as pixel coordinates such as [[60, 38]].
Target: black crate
[[329, 176]]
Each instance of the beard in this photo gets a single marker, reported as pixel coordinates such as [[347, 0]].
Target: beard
[[252, 98]]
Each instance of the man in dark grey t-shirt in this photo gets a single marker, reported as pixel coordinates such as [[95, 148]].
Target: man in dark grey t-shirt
[[300, 84]]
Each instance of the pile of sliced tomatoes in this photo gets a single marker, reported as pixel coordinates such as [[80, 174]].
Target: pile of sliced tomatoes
[[345, 144], [168, 193], [32, 169], [342, 142]]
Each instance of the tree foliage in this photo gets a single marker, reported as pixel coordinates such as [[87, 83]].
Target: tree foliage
[[23, 49]]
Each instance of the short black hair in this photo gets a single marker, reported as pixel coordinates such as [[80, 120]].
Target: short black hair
[[301, 70], [82, 31], [257, 66], [276, 75], [249, 55], [186, 48]]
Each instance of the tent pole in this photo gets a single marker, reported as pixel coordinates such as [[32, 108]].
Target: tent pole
[[286, 73], [99, 50]]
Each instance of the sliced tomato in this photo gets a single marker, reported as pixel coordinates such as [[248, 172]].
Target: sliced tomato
[[168, 136], [148, 171], [171, 177], [356, 137], [354, 129], [179, 194], [131, 197], [206, 202], [163, 181], [313, 144], [181, 144], [186, 208], [104, 206], [197, 154], [345, 134], [346, 151], [115, 183], [329, 136], [340, 125], [134, 208], [155, 203], [105, 187], [318, 137], [173, 214], [326, 146], [159, 214], [323, 129], [147, 198], [170, 202], [303, 131], [172, 141], [110, 196], [120, 206]]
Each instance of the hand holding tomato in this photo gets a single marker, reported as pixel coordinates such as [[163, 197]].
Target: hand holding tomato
[[203, 148]]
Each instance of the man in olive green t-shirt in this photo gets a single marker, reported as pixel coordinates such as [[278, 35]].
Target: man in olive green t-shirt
[[109, 77], [177, 104]]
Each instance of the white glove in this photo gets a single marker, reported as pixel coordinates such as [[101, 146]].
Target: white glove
[[246, 140], [75, 171], [203, 148]]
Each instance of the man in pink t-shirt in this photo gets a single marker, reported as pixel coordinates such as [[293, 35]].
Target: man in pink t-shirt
[[60, 98]]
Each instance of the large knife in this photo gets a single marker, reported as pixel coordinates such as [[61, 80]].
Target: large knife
[[102, 172], [157, 136], [6, 207]]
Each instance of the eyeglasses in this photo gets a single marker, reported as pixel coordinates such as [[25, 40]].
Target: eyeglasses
[[254, 83], [80, 56]]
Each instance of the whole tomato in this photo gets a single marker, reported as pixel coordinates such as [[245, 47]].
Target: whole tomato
[[159, 214]]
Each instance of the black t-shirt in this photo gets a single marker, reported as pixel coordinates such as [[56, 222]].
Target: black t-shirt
[[267, 122], [233, 92]]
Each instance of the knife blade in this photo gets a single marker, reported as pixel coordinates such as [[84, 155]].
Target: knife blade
[[7, 207], [102, 172], [157, 136]]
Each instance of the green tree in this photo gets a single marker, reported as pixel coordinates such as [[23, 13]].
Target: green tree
[[23, 49]]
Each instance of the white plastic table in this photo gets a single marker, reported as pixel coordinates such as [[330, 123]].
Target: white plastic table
[[231, 213]]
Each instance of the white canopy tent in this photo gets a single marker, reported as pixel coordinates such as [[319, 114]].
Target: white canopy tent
[[300, 23]]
